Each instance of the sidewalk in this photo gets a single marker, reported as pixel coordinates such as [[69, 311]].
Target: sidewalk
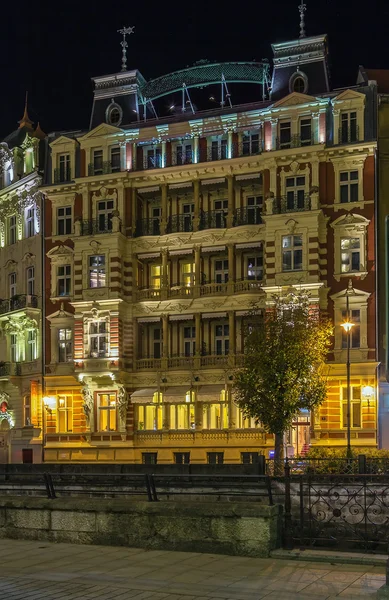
[[44, 571]]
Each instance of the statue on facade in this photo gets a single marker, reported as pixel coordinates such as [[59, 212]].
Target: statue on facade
[[87, 403], [122, 402]]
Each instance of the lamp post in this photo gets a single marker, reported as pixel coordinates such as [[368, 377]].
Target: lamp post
[[347, 326], [49, 404]]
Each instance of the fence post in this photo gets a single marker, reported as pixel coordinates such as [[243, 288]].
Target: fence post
[[148, 488], [261, 465], [288, 538], [362, 464]]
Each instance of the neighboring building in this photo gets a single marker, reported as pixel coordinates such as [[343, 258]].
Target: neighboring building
[[21, 294], [161, 232]]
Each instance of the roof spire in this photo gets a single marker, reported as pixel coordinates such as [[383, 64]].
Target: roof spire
[[25, 120], [302, 9], [125, 31]]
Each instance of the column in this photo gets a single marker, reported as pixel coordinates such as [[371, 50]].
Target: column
[[163, 153], [134, 157], [229, 143], [164, 275], [233, 411], [232, 332], [336, 124], [231, 200], [133, 210], [196, 157], [166, 416], [274, 133], [316, 128], [120, 206], [164, 208], [196, 201], [294, 132], [231, 268], [198, 340], [123, 156], [165, 336], [135, 342], [85, 202], [197, 263]]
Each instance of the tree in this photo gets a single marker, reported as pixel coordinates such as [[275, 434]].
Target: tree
[[284, 363]]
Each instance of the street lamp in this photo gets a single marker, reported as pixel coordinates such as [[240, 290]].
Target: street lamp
[[347, 326]]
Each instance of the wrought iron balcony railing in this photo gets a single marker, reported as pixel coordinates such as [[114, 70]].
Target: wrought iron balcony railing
[[248, 215], [295, 141], [182, 158], [249, 148], [5, 368], [152, 162], [348, 135], [292, 203], [62, 175], [180, 223], [148, 227], [104, 168], [213, 219], [96, 226], [18, 302]]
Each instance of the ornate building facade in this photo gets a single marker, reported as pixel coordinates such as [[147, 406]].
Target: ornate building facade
[[162, 232], [21, 326]]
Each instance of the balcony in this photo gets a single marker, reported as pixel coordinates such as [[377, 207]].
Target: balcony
[[292, 203], [148, 294], [18, 303], [98, 364], [217, 360], [213, 289], [213, 219], [181, 291], [185, 362], [295, 141], [248, 148], [249, 215], [148, 227], [181, 362], [206, 289], [104, 168], [180, 223], [62, 175], [95, 227], [12, 369], [348, 135], [248, 286], [144, 364]]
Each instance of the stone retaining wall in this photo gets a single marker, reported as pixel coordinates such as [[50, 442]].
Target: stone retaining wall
[[225, 528]]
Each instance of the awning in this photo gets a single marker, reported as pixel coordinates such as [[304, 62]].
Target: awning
[[249, 245], [213, 249], [143, 396], [176, 395], [209, 393]]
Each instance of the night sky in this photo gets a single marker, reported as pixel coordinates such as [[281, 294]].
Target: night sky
[[52, 49]]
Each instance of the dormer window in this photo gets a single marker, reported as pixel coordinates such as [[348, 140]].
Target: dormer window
[[299, 85], [114, 114]]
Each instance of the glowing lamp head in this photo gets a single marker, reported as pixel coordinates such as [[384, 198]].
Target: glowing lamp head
[[368, 391], [347, 326]]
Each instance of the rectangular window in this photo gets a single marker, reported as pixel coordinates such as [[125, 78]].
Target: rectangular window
[[350, 254], [215, 458], [65, 349], [12, 284], [30, 215], [155, 276], [249, 458], [104, 215], [182, 458], [221, 271], [157, 342], [14, 347], [295, 193], [64, 220], [187, 216], [215, 416], [64, 167], [154, 158], [115, 159], [349, 187], [184, 154], [355, 333], [30, 277], [27, 410], [250, 144], [31, 345], [305, 132], [220, 214], [182, 416], [349, 128], [149, 458], [219, 149], [12, 230], [98, 161], [150, 417], [64, 279], [292, 253], [254, 210], [255, 267], [189, 341], [97, 277], [188, 274], [106, 405], [98, 339], [222, 341], [355, 406], [285, 134], [65, 414]]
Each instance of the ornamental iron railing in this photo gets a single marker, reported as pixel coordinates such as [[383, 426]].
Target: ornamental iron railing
[[248, 215], [18, 302]]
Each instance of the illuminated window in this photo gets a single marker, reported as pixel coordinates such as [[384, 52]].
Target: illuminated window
[[215, 416], [155, 276], [104, 215], [64, 220], [349, 186], [292, 253], [31, 345], [188, 274], [65, 414], [244, 422], [255, 267], [150, 417], [355, 333], [30, 277], [65, 349], [106, 412], [97, 271], [355, 401], [27, 410], [12, 237], [348, 128], [295, 193], [30, 216], [350, 254], [182, 416], [299, 85], [98, 339], [64, 279]]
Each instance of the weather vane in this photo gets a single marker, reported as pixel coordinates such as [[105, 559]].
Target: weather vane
[[302, 9], [125, 31]]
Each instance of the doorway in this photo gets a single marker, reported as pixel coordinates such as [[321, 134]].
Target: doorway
[[301, 434], [27, 456]]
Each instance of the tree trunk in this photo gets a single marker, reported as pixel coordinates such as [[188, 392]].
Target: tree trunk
[[278, 454]]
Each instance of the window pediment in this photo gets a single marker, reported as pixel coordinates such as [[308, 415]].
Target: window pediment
[[351, 222], [293, 99], [61, 254]]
